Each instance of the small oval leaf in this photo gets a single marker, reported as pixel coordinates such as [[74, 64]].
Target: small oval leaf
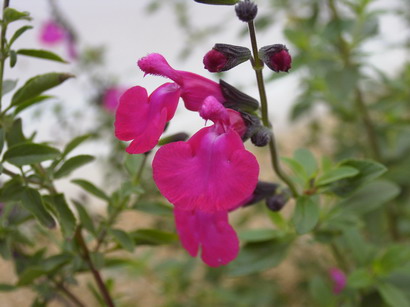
[[37, 85], [32, 201], [41, 54], [30, 153], [72, 164]]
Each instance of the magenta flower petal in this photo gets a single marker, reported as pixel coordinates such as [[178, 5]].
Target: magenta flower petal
[[211, 232], [52, 33], [142, 119], [210, 172], [195, 88]]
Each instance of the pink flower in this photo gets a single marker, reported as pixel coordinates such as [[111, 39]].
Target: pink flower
[[194, 88], [142, 119], [52, 33], [111, 98], [212, 171], [211, 232], [339, 280]]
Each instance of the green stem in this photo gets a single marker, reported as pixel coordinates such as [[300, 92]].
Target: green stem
[[60, 286], [258, 66], [96, 274], [3, 55]]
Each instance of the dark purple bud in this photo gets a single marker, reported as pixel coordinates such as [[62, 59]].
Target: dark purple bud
[[263, 190], [246, 10], [223, 57], [278, 201], [261, 136], [276, 57]]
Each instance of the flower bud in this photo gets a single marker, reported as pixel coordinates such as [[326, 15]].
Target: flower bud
[[261, 136], [276, 57], [278, 201], [223, 57], [246, 10], [263, 190]]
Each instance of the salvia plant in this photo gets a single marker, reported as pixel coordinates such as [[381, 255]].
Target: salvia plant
[[330, 227]]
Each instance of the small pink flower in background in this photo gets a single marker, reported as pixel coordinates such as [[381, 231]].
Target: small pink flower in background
[[194, 88], [339, 280], [52, 33], [111, 98]]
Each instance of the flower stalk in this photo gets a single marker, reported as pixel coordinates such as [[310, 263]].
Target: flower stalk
[[257, 65], [3, 54]]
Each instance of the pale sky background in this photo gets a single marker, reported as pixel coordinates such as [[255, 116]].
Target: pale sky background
[[128, 33]]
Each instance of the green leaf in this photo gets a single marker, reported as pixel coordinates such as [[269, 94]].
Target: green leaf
[[42, 54], [368, 170], [306, 214], [8, 86], [74, 143], [153, 237], [10, 15], [133, 163], [30, 274], [307, 160], [11, 190], [15, 134], [336, 174], [64, 214], [30, 153], [85, 218], [13, 58], [123, 239], [30, 102], [72, 164], [218, 2], [32, 201], [258, 257], [18, 33], [360, 279], [394, 258], [393, 296], [296, 167], [154, 207], [37, 85], [369, 198], [91, 188], [259, 235]]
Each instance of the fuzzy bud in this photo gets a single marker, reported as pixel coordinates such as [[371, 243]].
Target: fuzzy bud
[[263, 190], [246, 10], [223, 57], [261, 136], [276, 57], [278, 201]]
